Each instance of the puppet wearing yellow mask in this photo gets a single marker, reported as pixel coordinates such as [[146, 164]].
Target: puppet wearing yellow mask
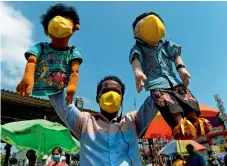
[[60, 61], [151, 58]]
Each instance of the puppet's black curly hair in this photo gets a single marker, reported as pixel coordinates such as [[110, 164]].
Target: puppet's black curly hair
[[59, 10], [140, 17]]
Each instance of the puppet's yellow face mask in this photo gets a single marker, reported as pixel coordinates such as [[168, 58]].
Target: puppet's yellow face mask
[[60, 27], [152, 29]]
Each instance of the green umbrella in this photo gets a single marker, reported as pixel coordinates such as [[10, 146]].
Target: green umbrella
[[39, 135]]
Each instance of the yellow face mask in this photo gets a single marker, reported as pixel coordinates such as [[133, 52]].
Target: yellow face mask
[[60, 27], [152, 29], [110, 102]]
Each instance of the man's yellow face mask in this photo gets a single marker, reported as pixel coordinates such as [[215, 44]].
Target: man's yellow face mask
[[110, 102], [60, 27], [152, 29]]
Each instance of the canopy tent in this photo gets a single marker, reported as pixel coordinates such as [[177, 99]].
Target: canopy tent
[[160, 129]]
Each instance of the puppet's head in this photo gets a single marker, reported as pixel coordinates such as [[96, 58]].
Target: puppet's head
[[60, 21], [149, 27]]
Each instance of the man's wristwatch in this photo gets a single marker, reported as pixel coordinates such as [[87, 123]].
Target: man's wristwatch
[[180, 66]]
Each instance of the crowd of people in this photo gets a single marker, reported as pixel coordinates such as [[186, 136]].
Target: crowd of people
[[56, 159], [193, 159]]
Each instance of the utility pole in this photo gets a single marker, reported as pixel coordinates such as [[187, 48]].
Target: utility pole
[[135, 103], [220, 103]]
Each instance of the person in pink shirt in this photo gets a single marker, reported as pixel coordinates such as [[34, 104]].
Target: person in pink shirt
[[56, 156]]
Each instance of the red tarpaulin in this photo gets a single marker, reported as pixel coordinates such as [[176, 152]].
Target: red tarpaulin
[[160, 129]]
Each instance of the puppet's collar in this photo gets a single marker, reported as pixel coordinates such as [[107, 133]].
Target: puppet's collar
[[142, 42], [59, 49]]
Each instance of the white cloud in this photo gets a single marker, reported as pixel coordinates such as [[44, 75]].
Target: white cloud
[[16, 38]]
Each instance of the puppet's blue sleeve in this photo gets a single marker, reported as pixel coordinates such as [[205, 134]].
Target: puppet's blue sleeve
[[173, 50], [76, 56], [135, 52], [34, 50]]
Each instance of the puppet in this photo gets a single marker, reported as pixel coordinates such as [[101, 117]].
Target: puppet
[[151, 58], [53, 66]]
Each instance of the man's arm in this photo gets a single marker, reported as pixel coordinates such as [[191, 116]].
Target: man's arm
[[145, 115], [68, 113]]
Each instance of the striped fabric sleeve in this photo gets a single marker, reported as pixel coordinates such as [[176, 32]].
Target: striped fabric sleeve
[[145, 115], [69, 114]]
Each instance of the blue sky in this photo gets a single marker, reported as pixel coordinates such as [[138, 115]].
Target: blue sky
[[106, 37]]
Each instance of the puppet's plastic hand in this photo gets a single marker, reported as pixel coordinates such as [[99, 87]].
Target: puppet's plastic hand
[[140, 78], [71, 88], [185, 76], [24, 88]]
